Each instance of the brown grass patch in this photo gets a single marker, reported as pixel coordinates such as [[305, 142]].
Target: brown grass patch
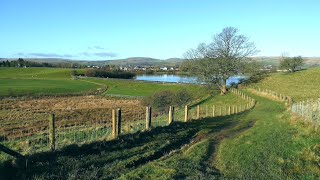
[[26, 117]]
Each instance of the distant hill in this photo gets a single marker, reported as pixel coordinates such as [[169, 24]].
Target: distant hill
[[132, 61], [147, 61], [266, 60]]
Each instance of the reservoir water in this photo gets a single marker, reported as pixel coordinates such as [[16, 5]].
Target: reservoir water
[[171, 78]]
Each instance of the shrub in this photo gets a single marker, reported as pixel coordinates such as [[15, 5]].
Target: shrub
[[109, 74], [254, 78], [162, 100]]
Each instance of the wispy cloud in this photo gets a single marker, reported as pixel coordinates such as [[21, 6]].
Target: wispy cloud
[[96, 48], [101, 54], [105, 54], [46, 55]]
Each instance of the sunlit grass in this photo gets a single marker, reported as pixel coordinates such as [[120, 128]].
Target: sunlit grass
[[300, 85]]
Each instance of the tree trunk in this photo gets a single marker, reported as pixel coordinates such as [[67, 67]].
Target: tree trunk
[[223, 87]]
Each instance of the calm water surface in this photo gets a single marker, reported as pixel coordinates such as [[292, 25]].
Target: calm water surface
[[170, 78]]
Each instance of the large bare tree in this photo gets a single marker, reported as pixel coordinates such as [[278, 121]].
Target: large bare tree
[[226, 56]]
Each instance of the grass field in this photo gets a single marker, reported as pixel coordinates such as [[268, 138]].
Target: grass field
[[138, 88], [41, 81], [36, 87], [300, 85], [264, 143], [35, 73], [55, 81]]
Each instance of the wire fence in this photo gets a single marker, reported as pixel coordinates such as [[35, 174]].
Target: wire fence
[[309, 110], [33, 131]]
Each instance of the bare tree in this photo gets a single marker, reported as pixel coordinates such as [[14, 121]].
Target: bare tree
[[291, 64], [224, 57]]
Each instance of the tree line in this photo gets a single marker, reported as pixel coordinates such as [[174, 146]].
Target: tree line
[[108, 73], [24, 63]]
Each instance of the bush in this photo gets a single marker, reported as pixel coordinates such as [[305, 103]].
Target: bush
[[109, 74], [254, 78], [162, 100]]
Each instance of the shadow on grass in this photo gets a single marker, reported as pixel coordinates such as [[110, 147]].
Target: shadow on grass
[[201, 102], [110, 159]]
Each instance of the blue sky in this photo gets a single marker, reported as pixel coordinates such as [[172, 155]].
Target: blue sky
[[113, 29]]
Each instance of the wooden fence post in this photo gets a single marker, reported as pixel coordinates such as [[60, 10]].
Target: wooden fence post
[[171, 114], [206, 110], [186, 113], [198, 112], [52, 139], [148, 117], [229, 110], [114, 124], [119, 121], [213, 111]]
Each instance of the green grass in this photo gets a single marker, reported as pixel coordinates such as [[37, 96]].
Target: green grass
[[41, 81], [264, 143], [300, 85], [274, 148], [229, 99], [35, 73], [138, 88], [113, 158], [20, 87], [51, 81], [260, 144]]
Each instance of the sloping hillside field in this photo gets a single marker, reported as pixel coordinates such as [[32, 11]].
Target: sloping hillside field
[[237, 136]]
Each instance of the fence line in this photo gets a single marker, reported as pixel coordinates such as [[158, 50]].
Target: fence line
[[273, 95], [309, 110], [60, 131]]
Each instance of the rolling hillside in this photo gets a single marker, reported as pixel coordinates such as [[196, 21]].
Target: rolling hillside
[[300, 85]]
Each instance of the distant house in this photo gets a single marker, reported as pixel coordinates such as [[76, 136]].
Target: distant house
[[164, 68], [267, 68]]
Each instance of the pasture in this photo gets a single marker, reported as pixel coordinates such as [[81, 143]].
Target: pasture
[[261, 143], [300, 85], [42, 82], [55, 81], [265, 142], [141, 89]]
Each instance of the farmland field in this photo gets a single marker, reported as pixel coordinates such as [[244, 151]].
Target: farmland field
[[300, 85], [42, 81], [140, 89], [55, 81], [204, 149], [264, 142]]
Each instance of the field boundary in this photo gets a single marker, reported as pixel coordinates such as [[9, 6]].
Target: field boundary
[[56, 134], [309, 110]]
